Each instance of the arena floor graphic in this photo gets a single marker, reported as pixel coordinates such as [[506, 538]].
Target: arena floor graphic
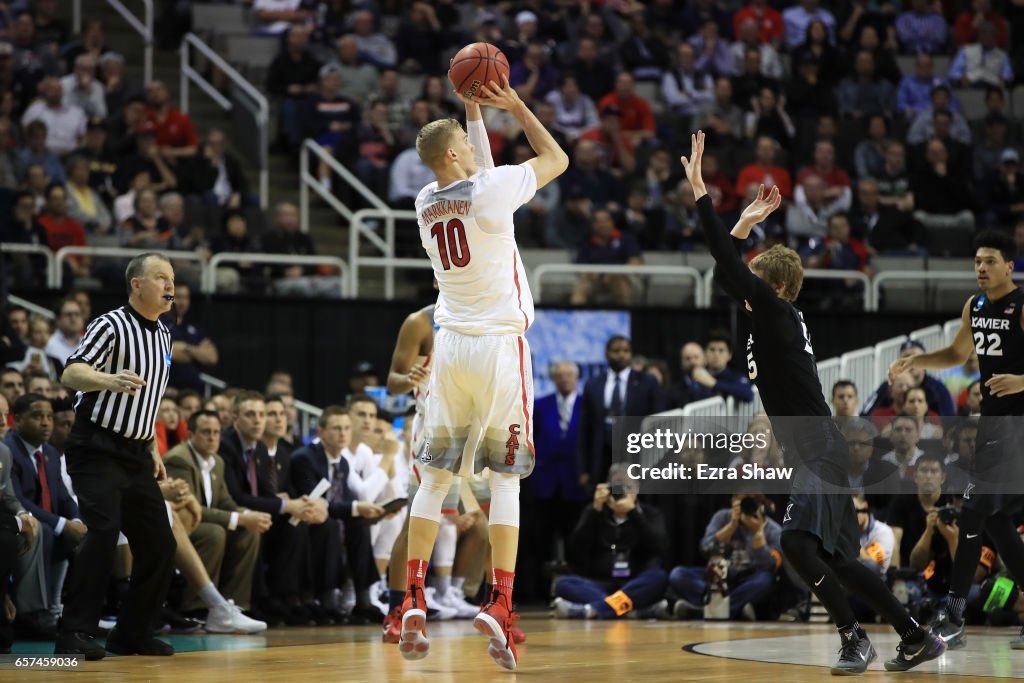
[[623, 651]]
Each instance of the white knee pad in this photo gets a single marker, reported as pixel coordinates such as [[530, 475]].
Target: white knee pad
[[387, 532], [504, 499], [429, 497], [444, 544]]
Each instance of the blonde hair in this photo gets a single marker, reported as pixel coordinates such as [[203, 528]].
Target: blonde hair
[[781, 266], [434, 139]]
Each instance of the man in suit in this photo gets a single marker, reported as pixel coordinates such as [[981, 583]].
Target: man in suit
[[228, 536], [326, 460], [20, 554], [618, 392], [278, 449], [553, 488], [40, 488], [284, 548]]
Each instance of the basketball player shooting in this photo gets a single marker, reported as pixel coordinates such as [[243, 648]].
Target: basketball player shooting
[[820, 534], [481, 360], [992, 324]]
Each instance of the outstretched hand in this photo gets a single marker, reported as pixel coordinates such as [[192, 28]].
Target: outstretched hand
[[692, 165], [762, 206]]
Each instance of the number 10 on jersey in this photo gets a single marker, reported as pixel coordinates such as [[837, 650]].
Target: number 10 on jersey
[[451, 243]]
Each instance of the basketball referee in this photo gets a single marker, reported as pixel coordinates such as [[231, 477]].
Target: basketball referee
[[120, 370]]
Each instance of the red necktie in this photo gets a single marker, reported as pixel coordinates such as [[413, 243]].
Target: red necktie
[[251, 455], [44, 485]]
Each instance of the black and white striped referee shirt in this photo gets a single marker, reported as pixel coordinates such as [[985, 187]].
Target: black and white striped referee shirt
[[124, 340]]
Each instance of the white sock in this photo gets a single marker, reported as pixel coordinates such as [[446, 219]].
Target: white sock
[[211, 597], [442, 584], [458, 582]]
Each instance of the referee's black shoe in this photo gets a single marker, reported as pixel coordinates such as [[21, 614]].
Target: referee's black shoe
[[147, 647], [78, 643], [855, 655], [911, 653]]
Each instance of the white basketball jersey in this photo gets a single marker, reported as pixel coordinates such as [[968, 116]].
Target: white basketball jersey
[[466, 229]]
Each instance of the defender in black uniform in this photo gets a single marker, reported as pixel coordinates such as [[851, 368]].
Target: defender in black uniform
[[820, 534], [993, 326]]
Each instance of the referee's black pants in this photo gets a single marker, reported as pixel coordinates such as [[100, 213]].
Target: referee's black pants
[[113, 478]]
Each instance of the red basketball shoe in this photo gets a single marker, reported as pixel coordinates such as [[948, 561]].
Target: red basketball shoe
[[496, 622], [392, 626], [413, 642]]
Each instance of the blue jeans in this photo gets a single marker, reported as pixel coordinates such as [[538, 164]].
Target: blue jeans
[[644, 589], [689, 584]]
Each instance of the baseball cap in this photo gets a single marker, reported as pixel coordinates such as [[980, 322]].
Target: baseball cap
[[1009, 156], [526, 16], [911, 344], [363, 367]]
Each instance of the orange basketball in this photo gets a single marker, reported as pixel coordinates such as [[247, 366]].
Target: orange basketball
[[476, 65]]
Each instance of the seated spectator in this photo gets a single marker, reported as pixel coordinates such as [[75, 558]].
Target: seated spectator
[[274, 17], [175, 132], [81, 88], [749, 81], [766, 18], [923, 126], [869, 155], [332, 119], [838, 251], [409, 175], [989, 148], [376, 48], [570, 222], [914, 94], [184, 236], [685, 87], [808, 219], [980, 64], [692, 362], [968, 24], [713, 54], [799, 19], [699, 12], [869, 40], [534, 77], [189, 402], [616, 550], [758, 456], [291, 77], [809, 93], [594, 74], [171, 430], [717, 376], [645, 222], [818, 46], [607, 245], [8, 150], [36, 360], [894, 181], [617, 148], [1007, 189], [837, 192], [904, 433], [915, 521], [881, 227], [643, 52], [388, 92], [938, 396], [37, 183], [436, 93], [23, 227], [995, 105], [720, 188], [915, 404], [865, 94], [377, 146], [35, 153], [575, 112], [942, 200], [764, 170], [286, 237], [146, 161], [51, 30], [66, 337], [65, 123], [117, 88], [844, 400], [84, 204], [235, 237], [358, 79], [420, 37], [768, 117], [192, 350], [217, 175], [145, 228], [589, 176], [720, 119], [93, 41], [867, 473], [61, 229], [748, 37], [746, 535], [637, 117], [921, 29]]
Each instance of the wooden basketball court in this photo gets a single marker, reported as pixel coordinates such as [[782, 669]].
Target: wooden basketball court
[[619, 652]]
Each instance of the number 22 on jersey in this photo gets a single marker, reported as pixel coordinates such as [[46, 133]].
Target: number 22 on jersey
[[452, 246], [994, 347]]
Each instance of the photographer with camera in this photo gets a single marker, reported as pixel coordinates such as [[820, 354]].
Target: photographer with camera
[[616, 549], [748, 540], [926, 530]]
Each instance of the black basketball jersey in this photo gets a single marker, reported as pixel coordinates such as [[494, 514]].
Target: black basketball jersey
[[999, 342], [780, 361]]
